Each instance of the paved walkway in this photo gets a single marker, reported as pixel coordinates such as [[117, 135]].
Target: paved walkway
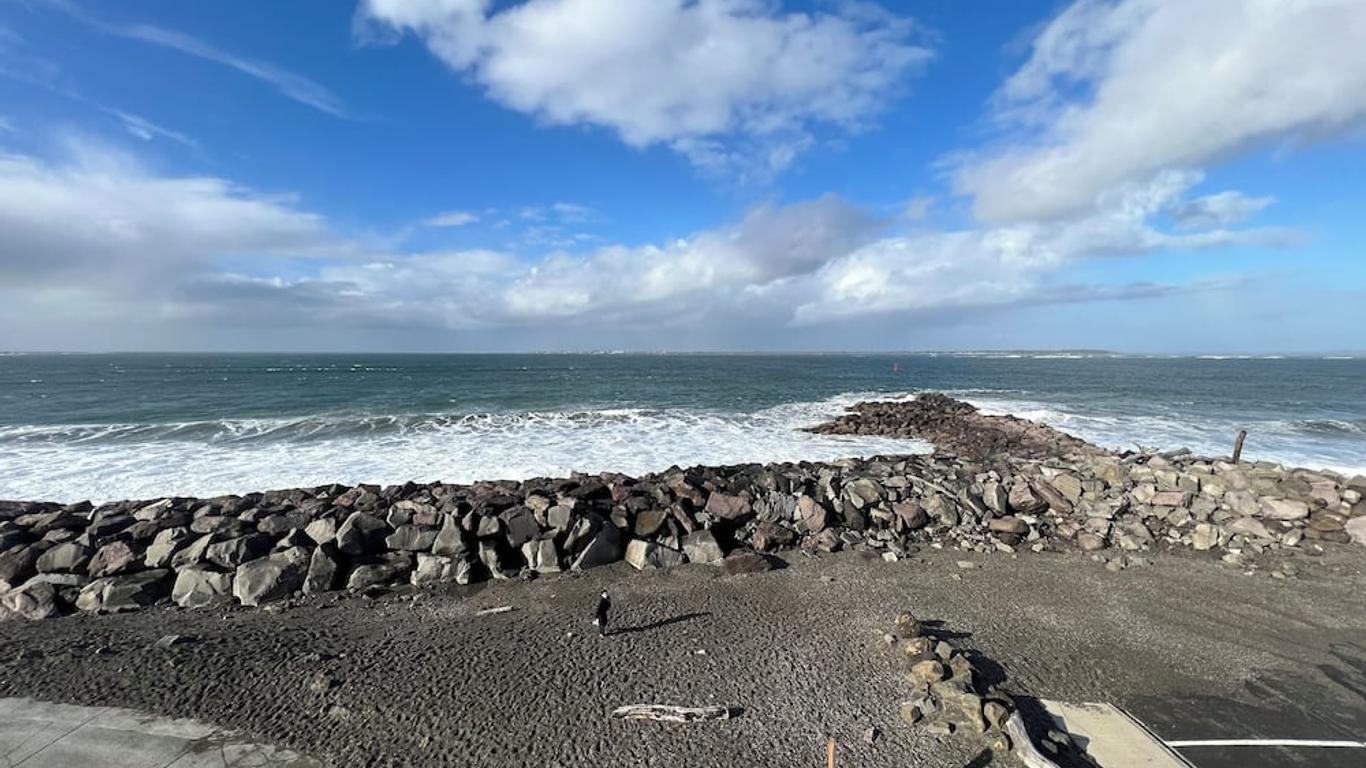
[[35, 734]]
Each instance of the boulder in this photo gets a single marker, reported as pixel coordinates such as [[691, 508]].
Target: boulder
[[322, 530], [814, 514], [361, 534], [1170, 499], [649, 520], [111, 559], [233, 552], [193, 553], [16, 566], [411, 538], [1008, 524], [771, 536], [198, 586], [273, 577], [519, 525], [603, 548], [701, 547], [324, 566], [913, 517], [638, 554], [1068, 485], [744, 562], [541, 555], [1204, 537], [994, 496], [437, 569], [1279, 509], [117, 594], [1090, 542], [726, 506], [68, 557], [1251, 527], [450, 540], [1356, 529], [34, 600], [1023, 499]]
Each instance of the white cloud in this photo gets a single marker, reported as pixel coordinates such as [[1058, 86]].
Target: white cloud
[[1116, 92], [100, 240], [147, 130], [1222, 209], [101, 222], [452, 219], [700, 75], [290, 84]]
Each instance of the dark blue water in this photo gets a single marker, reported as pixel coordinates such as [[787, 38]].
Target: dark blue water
[[105, 426]]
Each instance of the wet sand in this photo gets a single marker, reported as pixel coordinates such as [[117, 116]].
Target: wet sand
[[416, 677]]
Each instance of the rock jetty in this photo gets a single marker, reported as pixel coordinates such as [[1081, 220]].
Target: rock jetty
[[994, 484]]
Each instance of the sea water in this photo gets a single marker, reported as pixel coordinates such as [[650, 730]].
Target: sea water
[[105, 427]]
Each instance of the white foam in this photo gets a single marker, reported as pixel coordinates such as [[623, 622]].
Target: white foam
[[1287, 442], [464, 449]]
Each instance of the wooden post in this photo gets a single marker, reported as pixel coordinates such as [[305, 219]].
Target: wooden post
[[1238, 445], [830, 753]]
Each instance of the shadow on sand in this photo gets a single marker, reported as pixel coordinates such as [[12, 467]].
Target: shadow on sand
[[658, 624]]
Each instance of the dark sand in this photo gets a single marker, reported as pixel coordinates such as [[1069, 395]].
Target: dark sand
[[424, 681]]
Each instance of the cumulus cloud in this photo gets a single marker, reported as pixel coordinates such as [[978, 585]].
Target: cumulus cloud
[[1117, 91], [105, 240], [100, 220], [707, 77]]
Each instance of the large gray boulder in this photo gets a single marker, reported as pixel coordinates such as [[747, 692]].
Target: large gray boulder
[[701, 547], [34, 600], [198, 586], [541, 555], [519, 525], [164, 545], [437, 569], [1275, 509], [450, 540], [68, 557], [603, 548], [323, 567], [235, 551], [361, 534], [411, 538], [16, 566], [270, 578], [117, 594], [193, 553], [112, 559]]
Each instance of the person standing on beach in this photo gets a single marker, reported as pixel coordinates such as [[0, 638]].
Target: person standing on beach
[[600, 620]]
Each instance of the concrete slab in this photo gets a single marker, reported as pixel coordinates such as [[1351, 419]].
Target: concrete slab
[[35, 734], [1112, 737]]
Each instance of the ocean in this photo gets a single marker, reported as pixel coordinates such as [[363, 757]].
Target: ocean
[[116, 426]]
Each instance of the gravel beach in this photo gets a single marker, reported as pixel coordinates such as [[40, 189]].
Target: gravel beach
[[418, 677]]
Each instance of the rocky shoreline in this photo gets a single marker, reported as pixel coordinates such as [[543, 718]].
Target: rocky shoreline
[[993, 484]]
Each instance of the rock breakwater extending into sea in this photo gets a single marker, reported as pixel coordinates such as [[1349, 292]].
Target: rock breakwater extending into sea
[[993, 484]]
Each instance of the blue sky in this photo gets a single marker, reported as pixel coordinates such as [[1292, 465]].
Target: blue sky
[[448, 175]]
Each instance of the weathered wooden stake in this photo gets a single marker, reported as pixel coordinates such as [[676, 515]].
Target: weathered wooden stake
[[1238, 445], [830, 753]]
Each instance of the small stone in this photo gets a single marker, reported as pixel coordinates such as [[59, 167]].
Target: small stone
[[739, 563], [907, 625], [939, 727], [870, 735], [925, 673]]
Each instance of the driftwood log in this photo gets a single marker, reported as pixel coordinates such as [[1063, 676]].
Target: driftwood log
[[671, 714], [1022, 746]]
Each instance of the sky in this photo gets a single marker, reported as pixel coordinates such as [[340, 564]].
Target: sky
[[537, 175]]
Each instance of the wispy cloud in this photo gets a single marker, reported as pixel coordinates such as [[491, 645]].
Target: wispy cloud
[[452, 219], [290, 84]]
